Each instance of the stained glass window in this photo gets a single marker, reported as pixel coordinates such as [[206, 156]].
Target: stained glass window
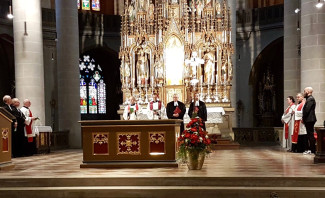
[[83, 96], [86, 4], [78, 4], [102, 97], [92, 87], [95, 5]]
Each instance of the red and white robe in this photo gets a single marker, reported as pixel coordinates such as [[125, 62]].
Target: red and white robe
[[299, 127], [29, 132], [288, 120], [157, 107], [131, 112]]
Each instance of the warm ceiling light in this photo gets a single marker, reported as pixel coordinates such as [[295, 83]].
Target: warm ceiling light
[[10, 15], [319, 4]]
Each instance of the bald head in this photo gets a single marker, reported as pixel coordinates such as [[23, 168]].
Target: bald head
[[27, 103], [308, 91]]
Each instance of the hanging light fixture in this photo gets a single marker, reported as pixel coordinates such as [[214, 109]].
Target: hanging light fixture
[[10, 15], [319, 4], [297, 10]]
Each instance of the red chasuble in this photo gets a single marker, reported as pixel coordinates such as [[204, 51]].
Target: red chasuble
[[297, 126], [29, 128]]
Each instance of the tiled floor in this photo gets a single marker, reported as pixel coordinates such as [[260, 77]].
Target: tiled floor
[[245, 162]]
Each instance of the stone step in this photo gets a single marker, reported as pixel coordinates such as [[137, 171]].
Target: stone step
[[20, 182], [225, 146], [165, 191]]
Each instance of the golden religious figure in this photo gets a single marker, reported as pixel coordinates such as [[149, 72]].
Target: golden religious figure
[[209, 67], [159, 69], [142, 67]]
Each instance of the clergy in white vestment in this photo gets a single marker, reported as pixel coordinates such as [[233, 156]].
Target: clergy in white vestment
[[299, 136], [29, 132], [132, 110], [288, 121], [156, 109]]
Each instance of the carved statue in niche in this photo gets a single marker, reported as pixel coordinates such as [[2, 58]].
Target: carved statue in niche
[[142, 67], [132, 10], [127, 70], [218, 8], [224, 70], [142, 4], [159, 67], [209, 67], [230, 73], [199, 8], [122, 71], [151, 11]]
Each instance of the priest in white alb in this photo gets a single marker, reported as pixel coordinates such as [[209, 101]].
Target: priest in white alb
[[30, 142], [299, 136], [156, 109], [288, 121], [132, 110]]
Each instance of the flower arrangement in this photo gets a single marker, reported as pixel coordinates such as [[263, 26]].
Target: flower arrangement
[[193, 141]]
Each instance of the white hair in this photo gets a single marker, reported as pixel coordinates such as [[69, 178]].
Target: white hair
[[6, 98]]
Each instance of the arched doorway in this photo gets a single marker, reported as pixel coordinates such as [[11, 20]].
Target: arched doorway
[[105, 76], [7, 66], [266, 79]]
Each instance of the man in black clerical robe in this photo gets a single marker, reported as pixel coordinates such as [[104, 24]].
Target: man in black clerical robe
[[19, 134], [176, 110], [8, 106], [198, 108]]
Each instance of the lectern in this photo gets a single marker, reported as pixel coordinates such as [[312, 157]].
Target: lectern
[[5, 141]]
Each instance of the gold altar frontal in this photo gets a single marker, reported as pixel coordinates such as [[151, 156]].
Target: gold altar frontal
[[129, 143]]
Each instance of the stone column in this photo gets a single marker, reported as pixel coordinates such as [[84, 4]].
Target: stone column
[[313, 53], [68, 69], [291, 47], [28, 45]]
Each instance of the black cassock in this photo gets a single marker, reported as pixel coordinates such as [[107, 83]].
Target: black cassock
[[202, 113], [19, 134], [170, 109]]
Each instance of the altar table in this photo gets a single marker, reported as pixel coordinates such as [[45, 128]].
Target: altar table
[[129, 143]]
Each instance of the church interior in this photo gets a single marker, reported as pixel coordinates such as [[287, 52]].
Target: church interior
[[80, 68]]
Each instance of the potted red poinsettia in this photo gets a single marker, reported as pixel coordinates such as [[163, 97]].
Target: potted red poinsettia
[[194, 144]]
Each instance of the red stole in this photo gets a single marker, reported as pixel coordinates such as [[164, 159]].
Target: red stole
[[29, 128], [151, 105], [286, 125], [297, 126]]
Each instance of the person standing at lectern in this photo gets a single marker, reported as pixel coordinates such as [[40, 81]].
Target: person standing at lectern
[[198, 108], [18, 136], [30, 140], [132, 110], [309, 119], [155, 108], [176, 110]]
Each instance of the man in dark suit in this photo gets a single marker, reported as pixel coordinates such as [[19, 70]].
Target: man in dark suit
[[176, 110], [8, 106], [309, 119], [198, 108], [19, 134]]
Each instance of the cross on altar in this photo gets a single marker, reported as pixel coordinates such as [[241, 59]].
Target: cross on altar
[[194, 62]]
